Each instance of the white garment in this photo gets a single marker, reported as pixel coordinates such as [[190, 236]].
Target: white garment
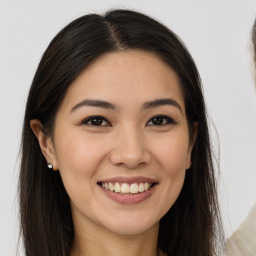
[[243, 241]]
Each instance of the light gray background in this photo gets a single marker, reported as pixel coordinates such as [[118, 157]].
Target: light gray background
[[217, 33]]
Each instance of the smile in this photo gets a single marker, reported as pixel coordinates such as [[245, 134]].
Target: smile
[[125, 188], [128, 190]]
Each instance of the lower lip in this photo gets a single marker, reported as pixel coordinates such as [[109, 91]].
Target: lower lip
[[129, 198]]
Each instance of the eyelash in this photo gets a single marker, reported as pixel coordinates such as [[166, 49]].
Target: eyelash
[[166, 120], [100, 118]]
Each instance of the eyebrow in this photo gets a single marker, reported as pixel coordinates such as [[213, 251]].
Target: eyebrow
[[162, 102], [94, 103], [146, 105]]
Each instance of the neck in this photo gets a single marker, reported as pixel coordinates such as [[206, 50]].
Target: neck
[[93, 240]]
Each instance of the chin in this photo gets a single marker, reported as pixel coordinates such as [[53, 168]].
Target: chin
[[131, 226]]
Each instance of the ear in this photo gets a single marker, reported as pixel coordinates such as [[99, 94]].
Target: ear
[[192, 143], [45, 143]]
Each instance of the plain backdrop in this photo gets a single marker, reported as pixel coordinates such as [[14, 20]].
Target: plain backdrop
[[217, 33]]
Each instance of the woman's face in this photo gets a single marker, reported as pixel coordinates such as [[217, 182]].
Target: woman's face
[[121, 142]]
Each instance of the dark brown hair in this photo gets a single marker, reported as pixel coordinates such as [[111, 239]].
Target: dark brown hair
[[192, 225]]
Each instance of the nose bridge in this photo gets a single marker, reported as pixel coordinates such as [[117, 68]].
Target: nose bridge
[[132, 141], [129, 147]]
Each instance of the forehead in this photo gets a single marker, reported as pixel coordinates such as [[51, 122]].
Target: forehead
[[132, 76]]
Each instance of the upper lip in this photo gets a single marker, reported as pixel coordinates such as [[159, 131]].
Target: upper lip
[[128, 180]]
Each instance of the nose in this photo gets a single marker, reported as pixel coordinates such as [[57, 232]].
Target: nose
[[130, 149]]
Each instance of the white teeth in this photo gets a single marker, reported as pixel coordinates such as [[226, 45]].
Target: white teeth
[[117, 187], [111, 187], [125, 188], [141, 187], [134, 189]]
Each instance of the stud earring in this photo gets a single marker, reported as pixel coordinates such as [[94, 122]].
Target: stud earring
[[50, 166]]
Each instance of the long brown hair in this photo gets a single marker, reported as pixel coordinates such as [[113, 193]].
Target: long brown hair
[[192, 225]]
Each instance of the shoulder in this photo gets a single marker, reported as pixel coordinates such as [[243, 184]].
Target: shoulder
[[243, 241]]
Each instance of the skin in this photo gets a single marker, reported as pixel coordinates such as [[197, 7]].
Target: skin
[[128, 143]]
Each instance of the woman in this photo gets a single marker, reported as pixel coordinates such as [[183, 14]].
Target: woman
[[114, 118]]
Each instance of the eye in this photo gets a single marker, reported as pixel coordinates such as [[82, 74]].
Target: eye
[[96, 121], [160, 120]]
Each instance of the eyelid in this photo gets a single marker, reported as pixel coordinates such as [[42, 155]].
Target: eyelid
[[169, 119], [90, 118]]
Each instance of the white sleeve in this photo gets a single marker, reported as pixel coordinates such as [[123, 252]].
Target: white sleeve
[[243, 241]]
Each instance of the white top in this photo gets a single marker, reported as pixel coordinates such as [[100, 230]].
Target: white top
[[243, 241]]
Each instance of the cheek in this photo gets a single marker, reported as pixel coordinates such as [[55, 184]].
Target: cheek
[[174, 168], [171, 155], [171, 152], [78, 153], [78, 161]]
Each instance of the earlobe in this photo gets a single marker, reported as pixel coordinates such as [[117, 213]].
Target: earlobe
[[45, 142], [189, 165]]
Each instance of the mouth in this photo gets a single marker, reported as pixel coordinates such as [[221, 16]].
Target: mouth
[[126, 188]]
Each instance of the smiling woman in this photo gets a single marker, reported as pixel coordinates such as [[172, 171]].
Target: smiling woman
[[114, 118]]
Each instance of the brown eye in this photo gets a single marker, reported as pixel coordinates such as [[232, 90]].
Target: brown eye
[[160, 120], [96, 121]]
